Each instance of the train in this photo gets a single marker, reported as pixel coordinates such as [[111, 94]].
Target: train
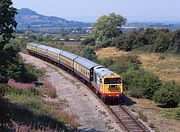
[[106, 83]]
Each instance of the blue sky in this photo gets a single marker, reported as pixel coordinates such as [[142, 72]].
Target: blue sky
[[90, 10]]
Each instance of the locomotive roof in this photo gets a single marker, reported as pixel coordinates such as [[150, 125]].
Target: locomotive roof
[[55, 50], [85, 62], [69, 55], [102, 71], [33, 44]]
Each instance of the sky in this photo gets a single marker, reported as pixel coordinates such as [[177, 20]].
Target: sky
[[90, 10]]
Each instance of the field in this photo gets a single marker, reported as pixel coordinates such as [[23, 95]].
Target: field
[[167, 67]]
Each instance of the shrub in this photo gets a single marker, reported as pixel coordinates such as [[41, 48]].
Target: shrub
[[30, 73], [177, 114], [141, 83], [122, 63], [49, 90], [32, 92], [106, 61], [89, 41], [168, 95], [89, 53], [142, 116], [162, 57]]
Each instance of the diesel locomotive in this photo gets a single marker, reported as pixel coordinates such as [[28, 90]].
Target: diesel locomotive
[[105, 82]]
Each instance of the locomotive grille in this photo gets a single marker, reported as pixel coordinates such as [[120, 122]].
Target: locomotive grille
[[113, 88]]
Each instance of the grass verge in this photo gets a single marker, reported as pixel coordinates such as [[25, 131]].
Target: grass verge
[[29, 112]]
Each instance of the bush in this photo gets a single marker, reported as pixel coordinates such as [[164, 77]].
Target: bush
[[122, 63], [89, 41], [168, 95], [49, 90], [106, 61], [177, 114], [89, 53], [32, 92], [129, 61], [141, 84], [123, 67], [22, 72]]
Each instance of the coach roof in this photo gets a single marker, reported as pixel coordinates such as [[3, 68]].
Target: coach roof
[[43, 47], [33, 44], [85, 62], [69, 55], [55, 50]]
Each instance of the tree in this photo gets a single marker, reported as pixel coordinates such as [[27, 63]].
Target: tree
[[163, 41], [7, 28], [106, 28], [7, 22], [89, 53]]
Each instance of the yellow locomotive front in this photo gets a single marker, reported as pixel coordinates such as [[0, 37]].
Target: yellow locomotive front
[[112, 85], [108, 83]]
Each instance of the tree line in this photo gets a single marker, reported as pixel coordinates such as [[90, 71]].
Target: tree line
[[151, 40], [107, 32]]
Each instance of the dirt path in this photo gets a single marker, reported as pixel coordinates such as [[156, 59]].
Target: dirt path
[[92, 116]]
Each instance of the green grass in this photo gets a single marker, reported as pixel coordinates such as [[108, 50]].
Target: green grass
[[173, 113]]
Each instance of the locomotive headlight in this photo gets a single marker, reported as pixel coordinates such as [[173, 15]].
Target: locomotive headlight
[[112, 86]]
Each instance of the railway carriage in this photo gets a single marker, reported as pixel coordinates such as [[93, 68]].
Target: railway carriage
[[32, 48], [54, 54], [84, 68], [42, 50], [67, 59]]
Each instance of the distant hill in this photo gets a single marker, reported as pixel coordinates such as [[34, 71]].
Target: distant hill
[[28, 18]]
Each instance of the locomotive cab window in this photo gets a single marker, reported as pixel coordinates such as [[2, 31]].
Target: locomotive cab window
[[112, 80]]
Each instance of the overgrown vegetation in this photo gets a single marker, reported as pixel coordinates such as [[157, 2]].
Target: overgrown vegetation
[[89, 53], [27, 109], [141, 84], [168, 95], [152, 40]]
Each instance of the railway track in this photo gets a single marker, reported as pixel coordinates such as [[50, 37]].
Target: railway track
[[126, 120]]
